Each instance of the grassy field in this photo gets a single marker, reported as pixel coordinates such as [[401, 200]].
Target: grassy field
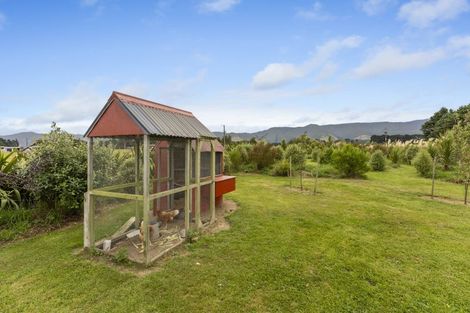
[[375, 245]]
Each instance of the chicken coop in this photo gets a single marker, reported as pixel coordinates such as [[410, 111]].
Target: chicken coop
[[155, 173]]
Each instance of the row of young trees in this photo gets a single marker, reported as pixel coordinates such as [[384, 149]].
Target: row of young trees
[[450, 151]]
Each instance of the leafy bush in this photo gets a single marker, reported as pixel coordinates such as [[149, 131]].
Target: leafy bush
[[377, 161], [350, 161], [423, 163], [281, 168], [58, 169], [263, 155], [326, 153], [432, 149], [410, 153], [445, 150], [295, 154], [394, 155]]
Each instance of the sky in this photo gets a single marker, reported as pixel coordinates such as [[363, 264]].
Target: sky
[[246, 64]]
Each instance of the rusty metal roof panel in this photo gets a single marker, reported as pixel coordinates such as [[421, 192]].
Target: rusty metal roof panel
[[162, 122]]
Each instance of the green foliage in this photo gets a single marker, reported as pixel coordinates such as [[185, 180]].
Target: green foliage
[[193, 235], [121, 256], [280, 168], [410, 152], [9, 199], [377, 161], [462, 148], [8, 142], [444, 120], [326, 153], [296, 155], [9, 161], [350, 161], [423, 163], [58, 170], [263, 155], [394, 154], [445, 149], [432, 149]]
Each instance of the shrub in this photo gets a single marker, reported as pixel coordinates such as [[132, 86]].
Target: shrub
[[326, 153], [445, 149], [394, 155], [295, 154], [350, 161], [423, 163], [262, 155], [377, 161], [432, 149], [410, 153], [58, 169], [281, 168]]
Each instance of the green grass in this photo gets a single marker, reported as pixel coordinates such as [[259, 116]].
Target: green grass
[[373, 245]]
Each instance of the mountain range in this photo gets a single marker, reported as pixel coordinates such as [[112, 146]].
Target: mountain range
[[359, 131]]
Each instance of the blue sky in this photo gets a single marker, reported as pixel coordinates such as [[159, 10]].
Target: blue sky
[[248, 64]]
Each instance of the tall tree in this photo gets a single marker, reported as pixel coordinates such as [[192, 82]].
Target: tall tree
[[439, 123]]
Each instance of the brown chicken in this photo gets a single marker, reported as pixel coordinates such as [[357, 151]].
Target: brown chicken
[[167, 216]]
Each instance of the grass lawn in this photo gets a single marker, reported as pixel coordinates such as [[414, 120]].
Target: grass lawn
[[374, 245]]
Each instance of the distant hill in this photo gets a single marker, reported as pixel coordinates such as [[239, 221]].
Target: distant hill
[[361, 131], [24, 139], [28, 138]]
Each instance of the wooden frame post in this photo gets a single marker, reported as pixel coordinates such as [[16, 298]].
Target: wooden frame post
[[187, 182], [89, 205], [212, 191], [138, 208], [146, 192], [171, 174], [198, 184]]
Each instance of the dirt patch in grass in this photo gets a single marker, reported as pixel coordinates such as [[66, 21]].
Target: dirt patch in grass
[[444, 200]]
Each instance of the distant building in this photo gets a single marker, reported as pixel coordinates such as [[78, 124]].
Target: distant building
[[8, 149]]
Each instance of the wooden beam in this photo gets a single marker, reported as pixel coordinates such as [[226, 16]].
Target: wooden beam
[[187, 175], [89, 205], [146, 191], [171, 174], [138, 211], [198, 184], [118, 195], [212, 191]]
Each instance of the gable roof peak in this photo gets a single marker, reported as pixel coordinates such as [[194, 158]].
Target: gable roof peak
[[144, 102]]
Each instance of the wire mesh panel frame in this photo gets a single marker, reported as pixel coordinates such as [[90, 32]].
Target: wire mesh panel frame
[[145, 196]]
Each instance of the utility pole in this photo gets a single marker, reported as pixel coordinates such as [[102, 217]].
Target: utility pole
[[224, 136]]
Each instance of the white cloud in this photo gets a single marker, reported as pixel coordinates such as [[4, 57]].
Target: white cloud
[[3, 20], [313, 13], [373, 7], [327, 71], [420, 13], [389, 59], [392, 59], [278, 74], [460, 45], [218, 5], [74, 112]]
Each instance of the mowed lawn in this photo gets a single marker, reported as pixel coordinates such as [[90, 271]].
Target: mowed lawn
[[374, 245]]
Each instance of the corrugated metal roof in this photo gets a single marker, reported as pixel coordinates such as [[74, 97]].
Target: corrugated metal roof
[[163, 122]]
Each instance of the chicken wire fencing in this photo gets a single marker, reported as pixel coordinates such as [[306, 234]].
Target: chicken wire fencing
[[118, 202]]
